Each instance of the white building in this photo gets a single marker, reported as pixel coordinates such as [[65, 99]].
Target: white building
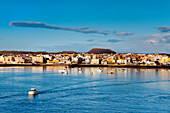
[[1, 59], [95, 61], [122, 61]]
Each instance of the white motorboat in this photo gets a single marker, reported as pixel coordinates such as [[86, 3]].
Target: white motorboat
[[80, 72], [33, 91], [63, 71], [80, 69], [99, 70]]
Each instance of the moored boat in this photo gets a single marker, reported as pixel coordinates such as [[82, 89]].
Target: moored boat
[[63, 71], [99, 70], [110, 72]]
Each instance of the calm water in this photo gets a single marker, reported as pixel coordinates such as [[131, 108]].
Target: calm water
[[132, 90]]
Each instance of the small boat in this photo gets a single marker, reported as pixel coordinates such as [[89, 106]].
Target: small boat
[[33, 91], [111, 72], [99, 70], [123, 70], [63, 71], [80, 69]]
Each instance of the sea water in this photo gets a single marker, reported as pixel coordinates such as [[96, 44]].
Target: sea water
[[89, 90]]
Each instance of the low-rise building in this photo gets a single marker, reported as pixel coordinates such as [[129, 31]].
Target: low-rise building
[[36, 59]]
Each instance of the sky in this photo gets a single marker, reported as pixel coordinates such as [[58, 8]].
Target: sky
[[135, 26]]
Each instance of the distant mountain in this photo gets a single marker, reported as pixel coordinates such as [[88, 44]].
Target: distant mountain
[[101, 51], [69, 52], [22, 52], [39, 52]]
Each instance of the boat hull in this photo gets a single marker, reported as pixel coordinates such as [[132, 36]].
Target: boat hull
[[32, 92]]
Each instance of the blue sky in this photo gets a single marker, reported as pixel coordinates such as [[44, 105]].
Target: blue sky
[[79, 25]]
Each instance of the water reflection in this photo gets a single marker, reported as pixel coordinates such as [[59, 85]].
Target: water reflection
[[128, 73], [11, 69], [144, 90], [32, 98]]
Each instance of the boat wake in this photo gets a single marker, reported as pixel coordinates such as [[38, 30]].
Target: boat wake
[[98, 86], [51, 90], [16, 95], [67, 87], [70, 85]]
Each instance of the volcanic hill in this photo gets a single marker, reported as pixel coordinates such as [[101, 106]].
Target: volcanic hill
[[101, 51]]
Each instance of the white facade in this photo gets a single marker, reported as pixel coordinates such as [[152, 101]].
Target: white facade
[[1, 59], [122, 61], [95, 61]]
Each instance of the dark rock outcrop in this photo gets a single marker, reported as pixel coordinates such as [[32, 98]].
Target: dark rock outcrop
[[101, 51]]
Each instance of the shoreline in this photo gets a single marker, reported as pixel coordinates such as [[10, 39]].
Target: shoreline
[[87, 65]]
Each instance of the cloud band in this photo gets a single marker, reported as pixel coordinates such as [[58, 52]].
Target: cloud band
[[32, 24]]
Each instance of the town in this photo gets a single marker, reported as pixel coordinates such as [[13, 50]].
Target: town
[[89, 58]]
